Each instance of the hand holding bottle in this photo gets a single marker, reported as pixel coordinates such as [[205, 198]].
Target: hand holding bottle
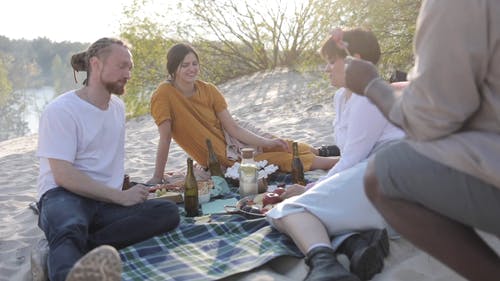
[[134, 195]]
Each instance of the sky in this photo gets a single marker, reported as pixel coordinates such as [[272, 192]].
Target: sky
[[75, 20], [61, 20]]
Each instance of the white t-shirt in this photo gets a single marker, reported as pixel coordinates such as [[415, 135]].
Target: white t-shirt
[[359, 128], [93, 140]]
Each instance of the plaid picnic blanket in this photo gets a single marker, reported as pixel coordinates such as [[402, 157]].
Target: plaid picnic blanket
[[208, 248]]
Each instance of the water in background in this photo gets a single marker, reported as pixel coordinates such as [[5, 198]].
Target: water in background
[[35, 100]]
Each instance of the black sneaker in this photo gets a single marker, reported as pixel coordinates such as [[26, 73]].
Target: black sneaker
[[365, 261], [378, 238], [328, 150], [324, 266]]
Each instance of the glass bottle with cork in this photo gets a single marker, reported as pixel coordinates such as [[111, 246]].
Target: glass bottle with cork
[[297, 167], [190, 191], [248, 173]]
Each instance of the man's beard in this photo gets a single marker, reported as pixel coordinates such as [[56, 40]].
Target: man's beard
[[117, 88]]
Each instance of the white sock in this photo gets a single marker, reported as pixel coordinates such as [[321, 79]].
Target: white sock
[[319, 245]]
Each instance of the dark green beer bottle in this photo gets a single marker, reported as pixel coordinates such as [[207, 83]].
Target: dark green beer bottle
[[190, 191], [213, 163], [297, 167]]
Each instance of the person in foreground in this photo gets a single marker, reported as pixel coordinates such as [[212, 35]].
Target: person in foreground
[[442, 184], [191, 110], [84, 212], [336, 204]]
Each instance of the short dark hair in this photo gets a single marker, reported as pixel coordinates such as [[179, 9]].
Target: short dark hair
[[359, 41], [176, 55], [100, 49]]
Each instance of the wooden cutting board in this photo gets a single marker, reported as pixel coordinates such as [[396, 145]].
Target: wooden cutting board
[[169, 195]]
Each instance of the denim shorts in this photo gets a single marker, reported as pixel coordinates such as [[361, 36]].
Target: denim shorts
[[406, 174]]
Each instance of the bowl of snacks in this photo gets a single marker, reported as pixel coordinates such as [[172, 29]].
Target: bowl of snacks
[[204, 188]]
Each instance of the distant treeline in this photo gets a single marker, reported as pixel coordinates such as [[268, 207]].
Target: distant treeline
[[30, 64], [238, 37], [233, 37], [39, 62]]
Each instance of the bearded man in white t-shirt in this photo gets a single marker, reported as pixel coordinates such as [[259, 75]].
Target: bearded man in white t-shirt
[[84, 212]]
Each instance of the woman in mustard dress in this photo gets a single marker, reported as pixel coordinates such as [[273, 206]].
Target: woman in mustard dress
[[190, 111]]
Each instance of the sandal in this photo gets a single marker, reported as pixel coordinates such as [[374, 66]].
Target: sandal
[[328, 150]]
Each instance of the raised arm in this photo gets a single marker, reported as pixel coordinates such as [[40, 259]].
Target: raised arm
[[362, 76], [165, 130], [443, 92]]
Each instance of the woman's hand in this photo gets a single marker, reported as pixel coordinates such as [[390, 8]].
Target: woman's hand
[[155, 180], [293, 190], [279, 142]]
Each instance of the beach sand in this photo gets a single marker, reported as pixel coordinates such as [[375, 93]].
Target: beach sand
[[282, 102]]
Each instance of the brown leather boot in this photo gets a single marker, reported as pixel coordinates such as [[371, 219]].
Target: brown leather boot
[[323, 266]]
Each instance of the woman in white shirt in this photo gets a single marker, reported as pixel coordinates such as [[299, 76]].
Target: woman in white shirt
[[336, 204]]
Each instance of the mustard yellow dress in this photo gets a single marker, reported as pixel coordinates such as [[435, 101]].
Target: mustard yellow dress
[[194, 120]]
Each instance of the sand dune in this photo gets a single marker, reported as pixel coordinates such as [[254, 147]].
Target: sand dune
[[282, 102]]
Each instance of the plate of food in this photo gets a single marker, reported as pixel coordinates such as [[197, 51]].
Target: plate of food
[[171, 192], [175, 191], [256, 206]]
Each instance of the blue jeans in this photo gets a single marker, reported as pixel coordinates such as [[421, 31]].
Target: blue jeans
[[74, 225], [404, 173]]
